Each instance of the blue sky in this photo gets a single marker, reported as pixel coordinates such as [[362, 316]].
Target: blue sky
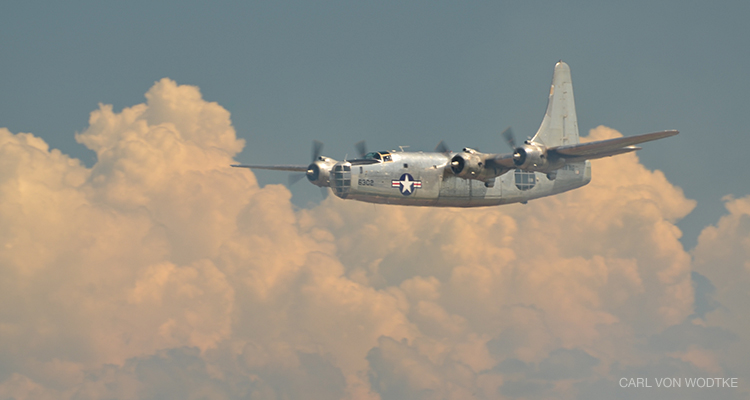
[[397, 73]]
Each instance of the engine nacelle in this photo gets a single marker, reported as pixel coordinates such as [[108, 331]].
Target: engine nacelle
[[468, 164], [531, 157], [471, 164], [319, 172]]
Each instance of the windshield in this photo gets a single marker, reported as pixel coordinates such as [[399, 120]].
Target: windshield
[[380, 156]]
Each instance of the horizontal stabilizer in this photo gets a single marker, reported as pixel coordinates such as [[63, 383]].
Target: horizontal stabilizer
[[300, 168]]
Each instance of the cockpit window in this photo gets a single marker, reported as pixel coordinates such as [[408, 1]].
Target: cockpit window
[[380, 156]]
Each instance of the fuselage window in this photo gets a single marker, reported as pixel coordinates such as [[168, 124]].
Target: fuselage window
[[406, 165], [525, 180]]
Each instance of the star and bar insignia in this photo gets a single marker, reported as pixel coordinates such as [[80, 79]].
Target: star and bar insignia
[[406, 184]]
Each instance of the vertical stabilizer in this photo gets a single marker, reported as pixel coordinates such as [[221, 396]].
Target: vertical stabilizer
[[560, 126]]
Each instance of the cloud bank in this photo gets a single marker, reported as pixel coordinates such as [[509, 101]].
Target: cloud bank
[[160, 272]]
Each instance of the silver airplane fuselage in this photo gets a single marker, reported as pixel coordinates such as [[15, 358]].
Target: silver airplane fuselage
[[420, 179]]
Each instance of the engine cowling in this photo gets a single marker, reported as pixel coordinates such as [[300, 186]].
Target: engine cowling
[[530, 157], [319, 172], [471, 164], [468, 164]]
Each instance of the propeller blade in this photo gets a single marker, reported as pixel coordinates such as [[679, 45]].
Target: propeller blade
[[442, 148], [324, 192], [361, 148], [509, 138], [317, 149], [294, 178]]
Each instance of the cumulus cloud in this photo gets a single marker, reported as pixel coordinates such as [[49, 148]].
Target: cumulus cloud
[[723, 256], [161, 272]]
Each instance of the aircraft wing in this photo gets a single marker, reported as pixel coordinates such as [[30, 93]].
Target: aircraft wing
[[605, 148], [501, 160], [587, 151], [300, 168]]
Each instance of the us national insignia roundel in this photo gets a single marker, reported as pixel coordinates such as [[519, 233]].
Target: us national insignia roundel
[[406, 184]]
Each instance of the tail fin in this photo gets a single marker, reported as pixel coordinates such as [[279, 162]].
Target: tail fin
[[560, 125]]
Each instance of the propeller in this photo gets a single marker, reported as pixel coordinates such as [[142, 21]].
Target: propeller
[[442, 148], [296, 177], [519, 154], [361, 148], [317, 149], [509, 138]]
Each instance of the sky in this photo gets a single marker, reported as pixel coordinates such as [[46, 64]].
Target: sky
[[135, 264]]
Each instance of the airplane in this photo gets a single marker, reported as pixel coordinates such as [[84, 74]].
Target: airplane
[[551, 162]]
